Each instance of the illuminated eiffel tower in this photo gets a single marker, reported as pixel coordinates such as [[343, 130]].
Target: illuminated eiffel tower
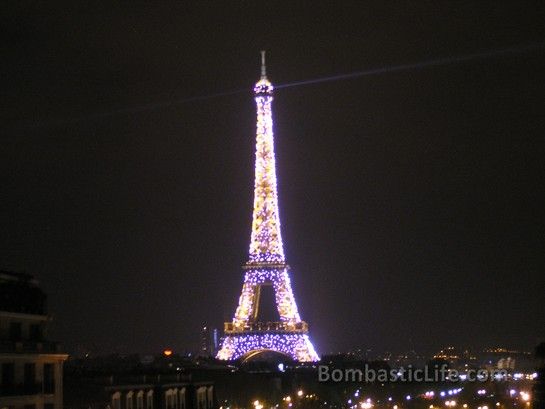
[[245, 336]]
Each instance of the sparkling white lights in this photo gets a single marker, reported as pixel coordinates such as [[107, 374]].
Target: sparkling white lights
[[266, 241], [266, 264], [285, 302], [297, 346]]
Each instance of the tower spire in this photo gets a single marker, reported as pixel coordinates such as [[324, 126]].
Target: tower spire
[[266, 240], [263, 66]]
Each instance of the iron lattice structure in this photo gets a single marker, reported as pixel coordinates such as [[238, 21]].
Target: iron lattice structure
[[245, 335]]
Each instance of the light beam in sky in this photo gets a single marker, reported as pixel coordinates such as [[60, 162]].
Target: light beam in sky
[[339, 77], [417, 65]]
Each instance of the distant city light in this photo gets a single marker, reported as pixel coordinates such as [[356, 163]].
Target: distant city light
[[499, 376]]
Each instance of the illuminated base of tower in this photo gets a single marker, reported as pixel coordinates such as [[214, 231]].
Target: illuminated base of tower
[[295, 345]]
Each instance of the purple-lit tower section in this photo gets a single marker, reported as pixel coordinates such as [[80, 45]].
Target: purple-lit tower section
[[245, 336]]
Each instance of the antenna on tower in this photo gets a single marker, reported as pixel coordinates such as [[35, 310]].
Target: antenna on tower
[[263, 66]]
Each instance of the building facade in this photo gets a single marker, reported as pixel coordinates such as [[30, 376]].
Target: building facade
[[30, 365], [157, 393]]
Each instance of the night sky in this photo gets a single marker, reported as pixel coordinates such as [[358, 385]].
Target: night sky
[[410, 200]]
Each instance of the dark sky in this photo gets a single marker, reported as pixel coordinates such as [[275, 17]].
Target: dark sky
[[410, 201]]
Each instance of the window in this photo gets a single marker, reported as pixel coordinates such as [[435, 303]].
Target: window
[[8, 375], [149, 400], [182, 398], [49, 378], [35, 332], [129, 401], [30, 378], [49, 406], [210, 396], [175, 398], [15, 331], [116, 400], [201, 398], [171, 398], [140, 400]]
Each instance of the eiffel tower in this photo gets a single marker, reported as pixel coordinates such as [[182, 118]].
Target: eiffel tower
[[246, 336]]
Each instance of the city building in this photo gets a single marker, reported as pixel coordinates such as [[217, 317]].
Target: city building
[[161, 392], [31, 366], [506, 358], [209, 341]]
